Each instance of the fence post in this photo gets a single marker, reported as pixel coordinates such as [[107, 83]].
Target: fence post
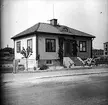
[[15, 66]]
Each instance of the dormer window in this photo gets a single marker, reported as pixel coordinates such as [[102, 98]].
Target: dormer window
[[65, 29]]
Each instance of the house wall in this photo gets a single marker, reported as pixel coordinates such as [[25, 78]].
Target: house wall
[[44, 56], [54, 55], [86, 54], [24, 44], [42, 49], [48, 55], [32, 58]]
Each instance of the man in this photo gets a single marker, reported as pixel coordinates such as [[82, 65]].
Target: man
[[75, 48]]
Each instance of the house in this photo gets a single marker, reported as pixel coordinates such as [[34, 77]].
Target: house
[[106, 48], [53, 45], [97, 53]]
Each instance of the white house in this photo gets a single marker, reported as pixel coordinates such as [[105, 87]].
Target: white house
[[51, 42]]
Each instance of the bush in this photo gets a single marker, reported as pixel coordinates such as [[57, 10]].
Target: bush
[[43, 67], [34, 68]]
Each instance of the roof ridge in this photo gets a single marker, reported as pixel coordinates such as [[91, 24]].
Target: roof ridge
[[38, 26]]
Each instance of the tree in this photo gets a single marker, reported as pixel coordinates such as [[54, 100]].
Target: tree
[[26, 54]]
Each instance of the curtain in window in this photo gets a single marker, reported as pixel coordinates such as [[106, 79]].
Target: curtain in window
[[50, 45]]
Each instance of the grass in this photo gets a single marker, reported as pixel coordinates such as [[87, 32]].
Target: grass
[[6, 69]]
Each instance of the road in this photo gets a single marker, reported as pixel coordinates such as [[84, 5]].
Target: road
[[70, 90]]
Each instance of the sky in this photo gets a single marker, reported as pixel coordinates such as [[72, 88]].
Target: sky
[[90, 16]]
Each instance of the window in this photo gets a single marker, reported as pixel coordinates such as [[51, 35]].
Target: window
[[18, 46], [50, 45], [82, 45], [29, 43], [65, 29], [49, 62], [105, 53]]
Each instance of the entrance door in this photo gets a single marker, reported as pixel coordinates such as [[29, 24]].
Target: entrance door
[[70, 48]]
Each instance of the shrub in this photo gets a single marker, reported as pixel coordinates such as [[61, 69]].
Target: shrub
[[43, 67], [34, 68]]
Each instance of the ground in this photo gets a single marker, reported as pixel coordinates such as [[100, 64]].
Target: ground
[[67, 90]]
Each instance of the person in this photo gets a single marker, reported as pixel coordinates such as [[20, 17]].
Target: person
[[75, 48]]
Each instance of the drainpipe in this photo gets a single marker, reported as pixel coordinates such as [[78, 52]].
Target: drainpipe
[[91, 46], [36, 50]]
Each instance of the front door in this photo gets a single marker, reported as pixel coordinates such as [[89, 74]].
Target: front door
[[70, 48]]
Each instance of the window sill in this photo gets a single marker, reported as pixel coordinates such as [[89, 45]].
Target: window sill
[[82, 51]]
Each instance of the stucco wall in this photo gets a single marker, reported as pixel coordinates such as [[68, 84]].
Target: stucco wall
[[54, 55], [88, 47], [42, 49], [24, 44]]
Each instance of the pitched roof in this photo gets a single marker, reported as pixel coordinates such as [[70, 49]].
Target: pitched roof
[[48, 28]]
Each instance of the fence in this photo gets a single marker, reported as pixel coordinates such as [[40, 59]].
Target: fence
[[20, 65], [101, 61]]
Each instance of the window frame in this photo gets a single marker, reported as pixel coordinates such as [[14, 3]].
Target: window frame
[[49, 63], [83, 46], [106, 53], [31, 43], [18, 46], [50, 50]]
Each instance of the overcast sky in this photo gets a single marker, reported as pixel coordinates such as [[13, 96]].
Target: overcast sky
[[90, 16]]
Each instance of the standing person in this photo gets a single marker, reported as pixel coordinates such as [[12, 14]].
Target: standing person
[[75, 48]]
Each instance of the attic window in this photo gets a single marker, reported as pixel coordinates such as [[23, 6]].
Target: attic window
[[65, 29]]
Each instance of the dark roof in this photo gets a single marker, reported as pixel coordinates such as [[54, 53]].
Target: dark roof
[[48, 28]]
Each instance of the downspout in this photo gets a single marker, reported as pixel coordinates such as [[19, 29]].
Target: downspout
[[91, 46], [37, 58]]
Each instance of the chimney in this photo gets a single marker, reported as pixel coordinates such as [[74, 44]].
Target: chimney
[[53, 22]]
